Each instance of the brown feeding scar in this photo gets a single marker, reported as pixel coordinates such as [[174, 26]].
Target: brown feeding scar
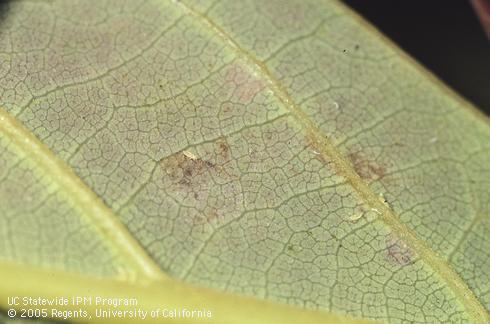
[[366, 168], [398, 252]]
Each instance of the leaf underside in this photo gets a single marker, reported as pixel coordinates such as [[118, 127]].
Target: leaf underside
[[279, 150]]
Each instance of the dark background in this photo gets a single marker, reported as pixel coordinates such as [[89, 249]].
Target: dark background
[[445, 36]]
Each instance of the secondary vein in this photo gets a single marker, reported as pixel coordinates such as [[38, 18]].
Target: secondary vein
[[82, 197]]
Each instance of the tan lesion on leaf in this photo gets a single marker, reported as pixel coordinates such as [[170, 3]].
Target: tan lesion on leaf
[[398, 252], [190, 177], [185, 168], [209, 216], [365, 167], [223, 149]]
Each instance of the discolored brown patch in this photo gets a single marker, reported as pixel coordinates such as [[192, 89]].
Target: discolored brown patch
[[184, 168], [204, 180], [208, 216], [223, 149], [366, 168], [212, 216], [397, 252]]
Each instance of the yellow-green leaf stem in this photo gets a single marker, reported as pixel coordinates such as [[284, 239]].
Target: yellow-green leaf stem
[[168, 294]]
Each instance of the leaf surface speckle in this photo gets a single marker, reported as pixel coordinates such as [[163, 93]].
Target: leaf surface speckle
[[278, 150]]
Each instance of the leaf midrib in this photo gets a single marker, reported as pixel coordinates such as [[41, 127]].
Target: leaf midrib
[[343, 168]]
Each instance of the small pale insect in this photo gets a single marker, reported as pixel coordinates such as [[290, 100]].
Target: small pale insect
[[189, 155], [383, 199], [356, 217], [433, 140]]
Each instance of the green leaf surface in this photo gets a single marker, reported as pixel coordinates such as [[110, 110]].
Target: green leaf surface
[[279, 150]]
